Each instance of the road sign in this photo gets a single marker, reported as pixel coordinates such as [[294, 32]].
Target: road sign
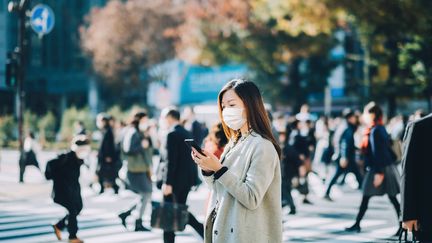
[[42, 19]]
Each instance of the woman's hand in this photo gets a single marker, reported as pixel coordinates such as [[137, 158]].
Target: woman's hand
[[378, 179], [207, 162]]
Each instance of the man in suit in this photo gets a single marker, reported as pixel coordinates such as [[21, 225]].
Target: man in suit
[[182, 172], [416, 193]]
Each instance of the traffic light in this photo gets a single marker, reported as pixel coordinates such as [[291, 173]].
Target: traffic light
[[11, 70]]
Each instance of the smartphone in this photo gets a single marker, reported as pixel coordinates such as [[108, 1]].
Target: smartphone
[[192, 144]]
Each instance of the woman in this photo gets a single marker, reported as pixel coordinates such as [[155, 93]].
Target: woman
[[382, 176], [246, 181], [138, 151]]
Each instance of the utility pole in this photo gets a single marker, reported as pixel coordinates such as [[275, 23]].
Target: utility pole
[[21, 9]]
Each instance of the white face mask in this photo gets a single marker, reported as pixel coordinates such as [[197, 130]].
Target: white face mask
[[233, 117]]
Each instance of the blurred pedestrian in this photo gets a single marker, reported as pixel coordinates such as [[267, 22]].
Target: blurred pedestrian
[[138, 153], [291, 164], [416, 183], [216, 140], [29, 155], [346, 159], [199, 130], [382, 176], [299, 140], [107, 157], [246, 182], [324, 148], [182, 173], [65, 172], [79, 128]]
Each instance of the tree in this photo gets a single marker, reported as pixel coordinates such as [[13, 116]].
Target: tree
[[124, 38], [397, 35], [269, 36]]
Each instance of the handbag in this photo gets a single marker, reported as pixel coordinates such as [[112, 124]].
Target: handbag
[[169, 216], [403, 236]]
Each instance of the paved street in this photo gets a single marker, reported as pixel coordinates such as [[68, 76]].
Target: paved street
[[26, 212]]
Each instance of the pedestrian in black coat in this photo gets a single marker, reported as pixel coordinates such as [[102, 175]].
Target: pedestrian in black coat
[[182, 171], [416, 183], [107, 156], [65, 172], [291, 163]]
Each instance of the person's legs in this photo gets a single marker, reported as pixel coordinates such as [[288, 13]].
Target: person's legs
[[359, 177], [289, 198], [101, 183], [169, 236], [21, 173], [339, 171], [145, 198], [363, 208], [61, 224], [397, 208], [72, 224]]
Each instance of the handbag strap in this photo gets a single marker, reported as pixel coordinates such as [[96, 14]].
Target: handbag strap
[[404, 234]]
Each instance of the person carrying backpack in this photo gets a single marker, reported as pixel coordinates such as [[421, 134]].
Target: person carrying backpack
[[65, 171]]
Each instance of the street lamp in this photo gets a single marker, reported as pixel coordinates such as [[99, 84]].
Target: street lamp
[[20, 7]]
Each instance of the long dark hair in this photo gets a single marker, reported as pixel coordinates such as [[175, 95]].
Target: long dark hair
[[256, 113]]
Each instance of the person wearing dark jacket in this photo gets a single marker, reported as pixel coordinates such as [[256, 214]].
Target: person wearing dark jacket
[[416, 181], [107, 156], [65, 172], [382, 176], [346, 159], [182, 173], [291, 163]]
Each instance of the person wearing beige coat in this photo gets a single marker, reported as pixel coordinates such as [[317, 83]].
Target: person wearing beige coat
[[245, 204]]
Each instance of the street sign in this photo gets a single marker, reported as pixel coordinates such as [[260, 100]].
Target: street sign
[[42, 19]]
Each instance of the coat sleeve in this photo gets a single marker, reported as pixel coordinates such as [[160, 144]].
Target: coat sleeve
[[173, 157], [251, 191], [380, 149], [107, 148], [409, 179]]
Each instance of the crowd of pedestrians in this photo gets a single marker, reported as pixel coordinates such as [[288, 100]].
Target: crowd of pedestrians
[[252, 160]]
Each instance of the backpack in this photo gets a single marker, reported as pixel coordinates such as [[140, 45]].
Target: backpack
[[52, 167]]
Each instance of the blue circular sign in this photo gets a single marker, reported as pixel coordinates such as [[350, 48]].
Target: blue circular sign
[[42, 19]]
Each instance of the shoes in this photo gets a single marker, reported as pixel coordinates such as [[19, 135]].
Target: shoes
[[139, 226], [306, 201], [292, 211], [123, 217], [355, 228], [76, 240], [328, 198], [57, 232]]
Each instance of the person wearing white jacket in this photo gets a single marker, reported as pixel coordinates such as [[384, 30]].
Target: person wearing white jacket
[[245, 203]]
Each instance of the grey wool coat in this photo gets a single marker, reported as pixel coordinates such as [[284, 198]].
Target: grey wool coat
[[248, 195]]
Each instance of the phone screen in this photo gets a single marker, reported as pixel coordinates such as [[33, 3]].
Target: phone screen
[[192, 144]]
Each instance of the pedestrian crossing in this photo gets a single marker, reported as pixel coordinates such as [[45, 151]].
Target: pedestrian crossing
[[22, 221], [27, 212]]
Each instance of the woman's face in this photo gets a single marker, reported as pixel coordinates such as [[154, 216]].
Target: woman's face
[[231, 99]]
